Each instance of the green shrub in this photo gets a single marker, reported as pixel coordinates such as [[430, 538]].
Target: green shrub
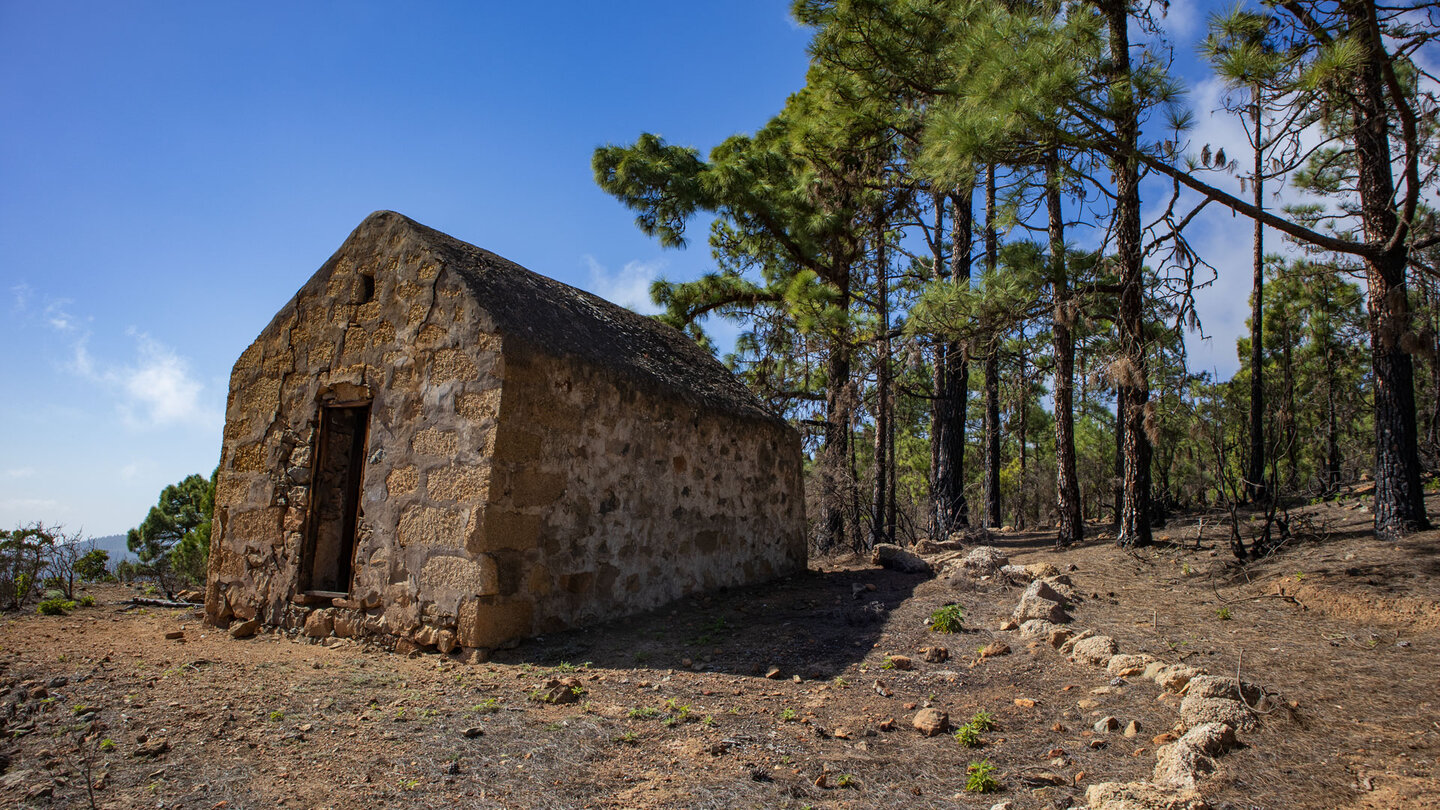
[[56, 606], [947, 619], [978, 778]]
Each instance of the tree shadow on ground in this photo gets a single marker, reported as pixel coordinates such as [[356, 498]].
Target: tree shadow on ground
[[813, 625]]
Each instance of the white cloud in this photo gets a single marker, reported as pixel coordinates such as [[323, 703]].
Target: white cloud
[[22, 294], [19, 472], [131, 471], [28, 504], [58, 317], [156, 389], [629, 287]]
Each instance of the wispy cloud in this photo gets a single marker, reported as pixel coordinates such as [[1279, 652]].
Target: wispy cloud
[[629, 287], [19, 472], [155, 389], [58, 316]]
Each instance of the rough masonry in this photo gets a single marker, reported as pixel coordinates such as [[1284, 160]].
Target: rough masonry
[[430, 443]]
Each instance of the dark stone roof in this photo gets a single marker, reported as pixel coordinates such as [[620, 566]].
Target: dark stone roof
[[560, 320]]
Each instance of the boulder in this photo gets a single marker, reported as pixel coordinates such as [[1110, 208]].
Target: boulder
[[983, 561], [887, 555], [1069, 644], [1125, 666], [1037, 628], [1140, 796], [1095, 650], [1040, 601], [319, 624], [1196, 711], [931, 722], [245, 629], [1172, 677], [1216, 686], [1042, 570]]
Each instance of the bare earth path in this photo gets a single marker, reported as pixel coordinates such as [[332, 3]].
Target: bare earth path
[[675, 709]]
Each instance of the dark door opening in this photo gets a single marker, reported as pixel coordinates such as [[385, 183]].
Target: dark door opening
[[335, 499]]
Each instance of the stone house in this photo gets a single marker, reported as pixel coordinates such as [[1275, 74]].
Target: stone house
[[434, 446]]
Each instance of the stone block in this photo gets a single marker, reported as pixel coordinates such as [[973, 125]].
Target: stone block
[[480, 623], [422, 525], [435, 442]]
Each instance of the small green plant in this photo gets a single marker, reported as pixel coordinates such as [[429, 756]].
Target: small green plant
[[628, 737], [642, 713], [56, 607], [641, 657], [150, 590], [279, 714], [107, 744], [490, 706], [968, 736], [947, 619], [840, 682], [846, 780], [978, 778], [1186, 570], [789, 715], [1299, 576], [889, 663], [1224, 614], [87, 601], [983, 721], [708, 720]]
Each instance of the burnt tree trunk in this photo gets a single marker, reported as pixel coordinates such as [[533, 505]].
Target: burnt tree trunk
[[1399, 500], [880, 530], [1070, 520], [992, 371], [951, 408], [1255, 476], [1134, 375]]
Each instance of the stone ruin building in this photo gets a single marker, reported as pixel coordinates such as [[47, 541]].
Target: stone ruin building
[[434, 447]]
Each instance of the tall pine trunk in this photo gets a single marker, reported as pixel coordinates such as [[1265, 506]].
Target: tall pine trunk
[[1255, 477], [1399, 500], [951, 510], [1133, 374], [992, 371], [836, 455], [880, 529], [1071, 523]]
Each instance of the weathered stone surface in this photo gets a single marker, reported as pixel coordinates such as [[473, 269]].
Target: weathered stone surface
[[1196, 711], [1040, 601], [983, 561], [931, 722], [244, 629], [319, 623], [1106, 724], [1216, 686], [1140, 796], [1037, 628], [935, 655], [1069, 644], [1172, 677], [994, 648], [1095, 650], [1126, 666], [530, 457], [888, 555]]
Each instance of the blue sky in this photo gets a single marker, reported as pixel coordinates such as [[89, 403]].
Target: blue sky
[[171, 172]]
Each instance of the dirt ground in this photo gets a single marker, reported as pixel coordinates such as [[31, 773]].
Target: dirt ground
[[675, 710]]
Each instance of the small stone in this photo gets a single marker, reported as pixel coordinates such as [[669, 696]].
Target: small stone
[[1003, 806], [1105, 724], [1040, 601], [152, 748], [245, 629], [1086, 704], [773, 673], [1008, 625], [935, 655], [888, 555], [1025, 703], [910, 706], [1059, 636], [1060, 727], [1097, 744], [473, 732], [901, 662], [1127, 666], [1055, 752], [1132, 728], [994, 648], [1162, 739], [930, 722], [888, 724], [174, 635]]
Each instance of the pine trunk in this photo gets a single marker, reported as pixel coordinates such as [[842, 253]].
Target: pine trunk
[[836, 454], [1255, 477], [880, 530], [1399, 500], [1134, 375], [951, 509], [992, 371], [1071, 523]]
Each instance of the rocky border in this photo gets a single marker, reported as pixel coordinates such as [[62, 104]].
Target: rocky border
[[1212, 708]]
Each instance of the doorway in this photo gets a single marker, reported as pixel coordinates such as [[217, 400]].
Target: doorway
[[335, 499]]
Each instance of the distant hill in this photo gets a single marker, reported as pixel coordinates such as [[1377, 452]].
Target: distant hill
[[115, 544]]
